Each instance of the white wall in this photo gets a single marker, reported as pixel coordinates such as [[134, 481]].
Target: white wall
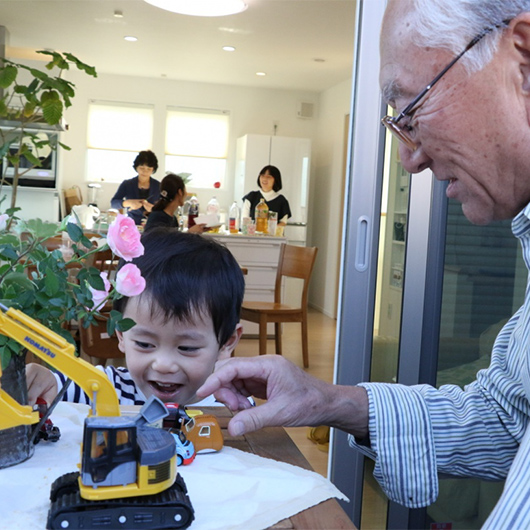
[[326, 195]]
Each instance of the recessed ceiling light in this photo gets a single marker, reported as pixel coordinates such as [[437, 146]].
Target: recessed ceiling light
[[261, 74], [229, 49], [201, 8], [118, 13], [130, 38]]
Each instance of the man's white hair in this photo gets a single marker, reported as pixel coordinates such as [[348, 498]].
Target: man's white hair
[[451, 24]]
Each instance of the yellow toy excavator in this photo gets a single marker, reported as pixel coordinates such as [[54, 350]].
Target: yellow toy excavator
[[128, 472]]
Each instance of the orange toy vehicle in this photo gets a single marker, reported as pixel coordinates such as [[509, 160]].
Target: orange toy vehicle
[[204, 432]]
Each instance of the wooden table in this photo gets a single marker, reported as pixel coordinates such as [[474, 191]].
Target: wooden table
[[275, 443]]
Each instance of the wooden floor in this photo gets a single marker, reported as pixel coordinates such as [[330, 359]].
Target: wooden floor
[[321, 358]]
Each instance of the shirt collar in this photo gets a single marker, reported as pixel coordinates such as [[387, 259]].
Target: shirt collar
[[269, 195]]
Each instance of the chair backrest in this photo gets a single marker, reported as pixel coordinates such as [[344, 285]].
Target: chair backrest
[[105, 261], [96, 342], [295, 262]]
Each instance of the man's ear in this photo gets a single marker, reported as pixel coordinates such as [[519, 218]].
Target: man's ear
[[227, 349], [520, 27], [121, 344]]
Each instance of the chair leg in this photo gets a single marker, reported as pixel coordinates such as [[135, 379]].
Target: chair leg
[[263, 335], [305, 353], [278, 337]]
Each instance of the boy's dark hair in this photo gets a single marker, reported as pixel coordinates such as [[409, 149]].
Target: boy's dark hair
[[188, 274], [170, 185], [273, 172], [146, 158]]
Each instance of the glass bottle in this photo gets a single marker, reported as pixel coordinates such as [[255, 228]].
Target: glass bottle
[[262, 217], [193, 211], [213, 207], [233, 218]]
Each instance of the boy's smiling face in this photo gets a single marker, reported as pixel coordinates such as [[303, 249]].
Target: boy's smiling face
[[172, 359]]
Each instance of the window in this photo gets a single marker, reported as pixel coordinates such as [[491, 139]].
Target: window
[[116, 134], [197, 143]]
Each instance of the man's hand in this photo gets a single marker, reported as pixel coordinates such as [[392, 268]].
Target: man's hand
[[41, 383], [294, 398]]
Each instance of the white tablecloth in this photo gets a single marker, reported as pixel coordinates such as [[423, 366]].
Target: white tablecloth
[[229, 490]]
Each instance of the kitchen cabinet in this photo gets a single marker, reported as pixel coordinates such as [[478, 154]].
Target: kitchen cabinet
[[260, 256]]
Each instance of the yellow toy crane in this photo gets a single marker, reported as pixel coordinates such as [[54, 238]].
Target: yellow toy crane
[[128, 472]]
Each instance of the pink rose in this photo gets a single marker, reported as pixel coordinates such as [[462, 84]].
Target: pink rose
[[124, 238], [99, 297], [129, 281]]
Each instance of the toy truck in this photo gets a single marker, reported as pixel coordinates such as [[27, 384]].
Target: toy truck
[[128, 474]]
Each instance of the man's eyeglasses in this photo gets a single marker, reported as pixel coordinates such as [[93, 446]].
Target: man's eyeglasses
[[403, 132]]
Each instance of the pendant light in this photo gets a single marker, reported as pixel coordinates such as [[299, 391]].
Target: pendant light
[[201, 8]]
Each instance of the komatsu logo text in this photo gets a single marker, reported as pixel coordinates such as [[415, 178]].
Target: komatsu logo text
[[40, 347]]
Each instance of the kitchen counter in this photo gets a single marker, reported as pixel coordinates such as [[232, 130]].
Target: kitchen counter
[[259, 255]]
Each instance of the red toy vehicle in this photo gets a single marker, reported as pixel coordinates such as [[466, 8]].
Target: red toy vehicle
[[48, 431]]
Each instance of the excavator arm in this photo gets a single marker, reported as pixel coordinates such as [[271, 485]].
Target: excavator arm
[[60, 354]]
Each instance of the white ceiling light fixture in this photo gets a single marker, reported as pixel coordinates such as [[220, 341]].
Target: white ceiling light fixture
[[130, 38], [229, 49], [201, 8]]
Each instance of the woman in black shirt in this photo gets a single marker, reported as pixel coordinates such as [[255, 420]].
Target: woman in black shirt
[[270, 183]]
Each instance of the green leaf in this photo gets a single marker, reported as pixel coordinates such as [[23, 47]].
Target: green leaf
[[8, 74], [74, 231], [51, 282], [52, 111], [20, 280], [125, 324]]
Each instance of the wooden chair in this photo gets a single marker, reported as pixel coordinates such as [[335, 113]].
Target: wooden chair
[[106, 262], [295, 262], [96, 345]]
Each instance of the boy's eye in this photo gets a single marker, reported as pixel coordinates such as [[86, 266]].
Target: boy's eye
[[143, 345], [188, 349]]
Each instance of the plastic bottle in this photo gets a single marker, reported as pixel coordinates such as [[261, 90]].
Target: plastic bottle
[[233, 218], [262, 217], [193, 211], [213, 207]]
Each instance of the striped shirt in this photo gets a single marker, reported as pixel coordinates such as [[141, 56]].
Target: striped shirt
[[126, 389], [419, 431]]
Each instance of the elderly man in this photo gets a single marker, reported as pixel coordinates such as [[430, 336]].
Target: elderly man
[[458, 74]]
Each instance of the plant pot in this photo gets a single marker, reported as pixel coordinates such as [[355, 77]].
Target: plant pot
[[15, 444]]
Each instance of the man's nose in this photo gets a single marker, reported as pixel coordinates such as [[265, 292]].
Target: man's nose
[[414, 161]]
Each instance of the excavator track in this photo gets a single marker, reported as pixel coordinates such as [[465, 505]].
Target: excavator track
[[169, 509]]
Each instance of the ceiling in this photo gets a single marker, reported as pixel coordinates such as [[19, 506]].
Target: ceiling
[[299, 44]]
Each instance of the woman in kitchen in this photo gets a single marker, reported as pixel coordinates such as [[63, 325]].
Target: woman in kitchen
[[172, 195], [138, 194], [270, 184]]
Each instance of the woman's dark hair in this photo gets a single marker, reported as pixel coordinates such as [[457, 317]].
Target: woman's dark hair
[[273, 172], [188, 275], [146, 158], [170, 185]]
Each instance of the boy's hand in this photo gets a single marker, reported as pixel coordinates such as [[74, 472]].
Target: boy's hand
[[41, 383]]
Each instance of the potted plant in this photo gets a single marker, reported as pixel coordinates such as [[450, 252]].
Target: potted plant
[[54, 286]]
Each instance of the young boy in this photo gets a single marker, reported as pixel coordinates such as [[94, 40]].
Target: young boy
[[187, 319]]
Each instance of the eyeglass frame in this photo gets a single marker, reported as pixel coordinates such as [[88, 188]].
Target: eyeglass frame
[[391, 122]]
